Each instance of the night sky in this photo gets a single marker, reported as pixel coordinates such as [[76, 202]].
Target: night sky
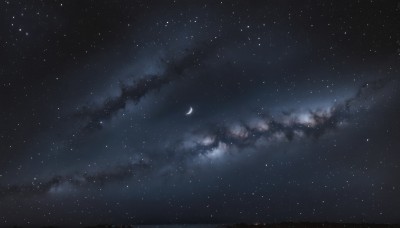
[[144, 112]]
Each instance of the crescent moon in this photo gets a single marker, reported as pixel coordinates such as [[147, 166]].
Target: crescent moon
[[190, 111]]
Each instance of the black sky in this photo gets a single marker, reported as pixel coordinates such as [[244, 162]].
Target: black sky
[[295, 116]]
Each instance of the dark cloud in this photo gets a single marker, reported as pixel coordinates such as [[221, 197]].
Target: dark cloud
[[61, 182], [289, 124], [175, 69], [368, 89]]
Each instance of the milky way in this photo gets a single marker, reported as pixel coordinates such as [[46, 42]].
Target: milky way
[[295, 112]]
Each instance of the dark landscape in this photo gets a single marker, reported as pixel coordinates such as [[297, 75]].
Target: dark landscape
[[254, 225]]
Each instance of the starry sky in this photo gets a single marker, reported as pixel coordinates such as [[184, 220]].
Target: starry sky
[[144, 112]]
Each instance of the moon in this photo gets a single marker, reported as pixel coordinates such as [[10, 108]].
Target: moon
[[190, 111]]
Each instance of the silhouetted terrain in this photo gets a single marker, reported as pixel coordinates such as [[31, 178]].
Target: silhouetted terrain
[[246, 225], [312, 225]]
